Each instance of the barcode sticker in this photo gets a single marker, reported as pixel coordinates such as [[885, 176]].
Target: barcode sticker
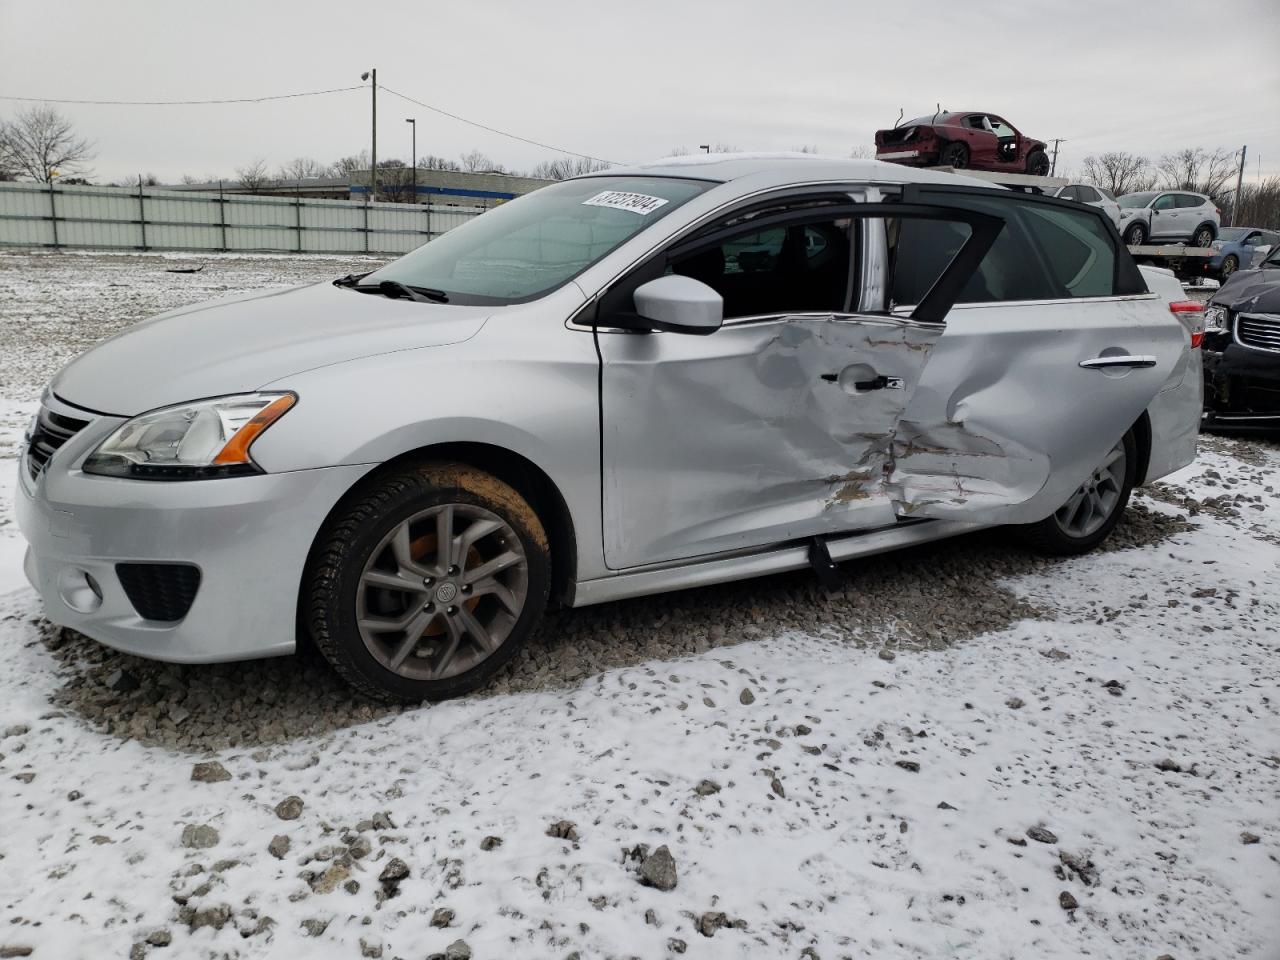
[[640, 203]]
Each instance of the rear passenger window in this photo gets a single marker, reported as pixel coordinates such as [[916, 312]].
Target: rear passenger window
[[1044, 252], [1078, 249], [921, 250], [1186, 201]]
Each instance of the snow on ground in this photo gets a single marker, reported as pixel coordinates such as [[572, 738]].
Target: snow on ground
[[1102, 782]]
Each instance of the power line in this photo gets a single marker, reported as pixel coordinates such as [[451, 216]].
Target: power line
[[308, 93], [501, 133], [181, 103]]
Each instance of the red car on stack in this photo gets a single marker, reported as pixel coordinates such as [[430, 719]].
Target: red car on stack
[[974, 141]]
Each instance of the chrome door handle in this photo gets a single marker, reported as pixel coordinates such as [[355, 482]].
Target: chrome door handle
[[1098, 363]]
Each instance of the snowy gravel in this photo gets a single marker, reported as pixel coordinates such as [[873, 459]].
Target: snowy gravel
[[936, 761]]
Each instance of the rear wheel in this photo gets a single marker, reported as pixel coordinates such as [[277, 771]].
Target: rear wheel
[[1037, 163], [428, 583], [954, 155], [1203, 236], [1135, 235], [1229, 265], [1092, 512]]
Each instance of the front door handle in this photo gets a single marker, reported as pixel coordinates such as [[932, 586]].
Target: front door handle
[[1098, 363]]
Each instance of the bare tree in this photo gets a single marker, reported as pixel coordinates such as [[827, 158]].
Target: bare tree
[[432, 162], [1198, 170], [303, 168], [863, 153], [473, 161], [1119, 172], [253, 176], [39, 143], [1259, 205], [349, 166], [805, 148], [563, 168]]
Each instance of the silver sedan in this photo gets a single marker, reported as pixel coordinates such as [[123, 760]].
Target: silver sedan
[[642, 380]]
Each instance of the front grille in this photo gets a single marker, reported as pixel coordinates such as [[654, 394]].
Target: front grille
[[1259, 330], [50, 432], [160, 591]]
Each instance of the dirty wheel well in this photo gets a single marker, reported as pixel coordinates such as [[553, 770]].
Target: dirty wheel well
[[525, 476]]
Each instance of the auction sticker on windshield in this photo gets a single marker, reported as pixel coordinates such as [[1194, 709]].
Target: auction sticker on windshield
[[640, 203]]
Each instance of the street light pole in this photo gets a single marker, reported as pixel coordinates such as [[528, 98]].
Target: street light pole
[[373, 170], [413, 125]]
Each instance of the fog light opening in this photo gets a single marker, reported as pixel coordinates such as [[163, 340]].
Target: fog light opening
[[79, 590]]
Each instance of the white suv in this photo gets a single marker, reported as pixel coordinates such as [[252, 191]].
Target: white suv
[[1168, 215], [1099, 197]]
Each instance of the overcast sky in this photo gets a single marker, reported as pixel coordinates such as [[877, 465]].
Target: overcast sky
[[631, 81]]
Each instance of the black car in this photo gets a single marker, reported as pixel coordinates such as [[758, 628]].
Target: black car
[[1242, 350]]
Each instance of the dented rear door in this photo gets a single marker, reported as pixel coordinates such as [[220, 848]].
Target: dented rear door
[[782, 424], [1023, 397]]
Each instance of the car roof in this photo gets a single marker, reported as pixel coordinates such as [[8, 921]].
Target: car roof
[[782, 169]]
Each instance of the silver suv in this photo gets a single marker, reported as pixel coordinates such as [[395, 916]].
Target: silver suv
[[1165, 215], [631, 382]]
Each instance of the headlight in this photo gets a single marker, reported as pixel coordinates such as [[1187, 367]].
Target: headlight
[[207, 438], [1216, 319]]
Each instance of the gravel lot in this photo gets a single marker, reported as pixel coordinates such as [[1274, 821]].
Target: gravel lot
[[1176, 609]]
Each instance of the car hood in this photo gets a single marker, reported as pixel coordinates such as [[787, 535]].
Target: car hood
[[1253, 290], [239, 343]]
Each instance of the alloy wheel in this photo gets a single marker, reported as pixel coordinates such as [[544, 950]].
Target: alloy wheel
[[442, 591], [1092, 505], [1203, 238]]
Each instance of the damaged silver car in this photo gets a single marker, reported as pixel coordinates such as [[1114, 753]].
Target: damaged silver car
[[636, 381]]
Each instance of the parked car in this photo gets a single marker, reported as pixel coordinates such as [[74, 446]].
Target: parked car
[[1099, 197], [974, 141], [1168, 215], [1242, 349], [626, 383], [1237, 248]]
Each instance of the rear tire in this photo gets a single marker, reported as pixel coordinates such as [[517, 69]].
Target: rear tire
[[1203, 236], [1092, 512], [955, 155], [401, 618], [1038, 163], [1135, 235]]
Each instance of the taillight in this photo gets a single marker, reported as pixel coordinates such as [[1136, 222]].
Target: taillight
[[1191, 313]]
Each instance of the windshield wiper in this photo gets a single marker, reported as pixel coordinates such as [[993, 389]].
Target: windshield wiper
[[395, 290], [351, 279]]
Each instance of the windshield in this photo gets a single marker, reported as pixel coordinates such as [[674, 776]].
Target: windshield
[[528, 247], [1137, 199], [1232, 234]]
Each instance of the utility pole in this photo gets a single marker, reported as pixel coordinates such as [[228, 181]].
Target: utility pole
[[373, 169], [1053, 166], [704, 147], [1235, 206], [413, 125]]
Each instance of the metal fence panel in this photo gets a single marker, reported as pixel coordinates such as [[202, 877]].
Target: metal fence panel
[[37, 215]]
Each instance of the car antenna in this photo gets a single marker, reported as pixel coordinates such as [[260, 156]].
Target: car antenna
[[901, 111], [935, 114]]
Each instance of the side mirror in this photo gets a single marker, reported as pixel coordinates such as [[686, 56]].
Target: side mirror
[[680, 305]]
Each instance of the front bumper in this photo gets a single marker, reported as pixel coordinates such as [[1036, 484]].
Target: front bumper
[[1241, 384], [249, 537]]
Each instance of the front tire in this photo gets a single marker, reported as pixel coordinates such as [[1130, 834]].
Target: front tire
[[1135, 235], [1092, 512], [427, 583], [1038, 163], [1229, 266]]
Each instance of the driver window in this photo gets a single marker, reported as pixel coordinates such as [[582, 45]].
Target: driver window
[[1164, 203], [799, 268]]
